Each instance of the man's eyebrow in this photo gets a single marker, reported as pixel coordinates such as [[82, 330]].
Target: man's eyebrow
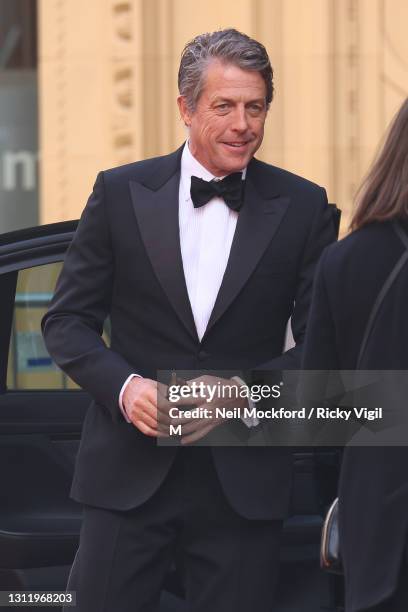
[[222, 99], [257, 100], [231, 101]]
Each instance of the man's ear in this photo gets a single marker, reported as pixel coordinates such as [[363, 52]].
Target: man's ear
[[184, 112]]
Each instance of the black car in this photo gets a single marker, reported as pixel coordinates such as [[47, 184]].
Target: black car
[[41, 415]]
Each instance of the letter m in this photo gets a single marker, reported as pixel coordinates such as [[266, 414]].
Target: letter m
[[175, 430]]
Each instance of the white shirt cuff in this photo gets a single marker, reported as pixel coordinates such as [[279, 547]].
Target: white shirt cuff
[[249, 421], [121, 406]]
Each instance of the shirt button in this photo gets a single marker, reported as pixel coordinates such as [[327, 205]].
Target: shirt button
[[203, 355]]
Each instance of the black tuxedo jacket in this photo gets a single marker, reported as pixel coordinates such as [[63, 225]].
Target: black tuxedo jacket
[[125, 261], [373, 489]]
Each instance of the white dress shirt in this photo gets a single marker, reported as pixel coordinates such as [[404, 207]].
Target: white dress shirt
[[206, 235]]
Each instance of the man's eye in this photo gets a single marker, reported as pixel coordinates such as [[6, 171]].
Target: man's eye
[[257, 108], [222, 107]]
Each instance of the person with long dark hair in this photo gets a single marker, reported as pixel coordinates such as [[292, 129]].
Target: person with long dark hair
[[373, 488]]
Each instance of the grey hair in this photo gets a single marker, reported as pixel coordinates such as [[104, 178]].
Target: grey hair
[[229, 46]]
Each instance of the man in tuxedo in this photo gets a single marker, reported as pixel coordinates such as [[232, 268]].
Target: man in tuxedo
[[199, 258]]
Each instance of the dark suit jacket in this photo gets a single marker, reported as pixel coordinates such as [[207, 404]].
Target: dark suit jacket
[[125, 261], [373, 488]]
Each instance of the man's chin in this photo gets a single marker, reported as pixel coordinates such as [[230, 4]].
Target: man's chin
[[229, 166]]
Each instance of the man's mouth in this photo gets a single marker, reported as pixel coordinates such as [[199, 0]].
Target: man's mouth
[[236, 145]]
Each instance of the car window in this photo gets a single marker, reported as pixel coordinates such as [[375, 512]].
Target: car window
[[29, 363]]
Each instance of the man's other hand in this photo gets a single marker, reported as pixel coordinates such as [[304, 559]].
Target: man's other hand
[[195, 429]]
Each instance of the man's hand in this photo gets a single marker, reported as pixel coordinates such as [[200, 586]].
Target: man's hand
[[146, 405], [226, 396]]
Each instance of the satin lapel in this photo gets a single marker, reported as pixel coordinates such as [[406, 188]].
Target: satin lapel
[[257, 223], [157, 217]]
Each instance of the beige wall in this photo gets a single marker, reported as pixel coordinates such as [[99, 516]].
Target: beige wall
[[108, 85]]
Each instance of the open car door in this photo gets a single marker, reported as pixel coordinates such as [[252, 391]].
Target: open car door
[[41, 415]]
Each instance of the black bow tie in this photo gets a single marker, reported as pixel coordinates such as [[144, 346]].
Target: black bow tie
[[229, 188]]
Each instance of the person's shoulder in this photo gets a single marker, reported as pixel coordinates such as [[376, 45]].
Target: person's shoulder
[[143, 169], [359, 244], [284, 181]]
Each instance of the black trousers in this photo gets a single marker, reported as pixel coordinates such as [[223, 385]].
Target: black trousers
[[226, 562]]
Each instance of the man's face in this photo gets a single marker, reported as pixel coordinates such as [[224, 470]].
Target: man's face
[[227, 125]]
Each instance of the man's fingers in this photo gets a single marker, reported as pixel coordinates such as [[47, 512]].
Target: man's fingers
[[151, 397], [162, 401], [164, 407], [146, 412], [138, 408], [188, 401], [148, 420], [194, 425], [151, 410], [153, 392], [151, 431], [145, 429], [150, 416]]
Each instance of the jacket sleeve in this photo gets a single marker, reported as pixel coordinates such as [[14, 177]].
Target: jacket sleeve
[[320, 346], [322, 233], [73, 325]]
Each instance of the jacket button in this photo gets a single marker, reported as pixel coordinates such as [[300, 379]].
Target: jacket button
[[202, 355]]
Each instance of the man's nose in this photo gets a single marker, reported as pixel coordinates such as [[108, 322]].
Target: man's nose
[[240, 120]]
